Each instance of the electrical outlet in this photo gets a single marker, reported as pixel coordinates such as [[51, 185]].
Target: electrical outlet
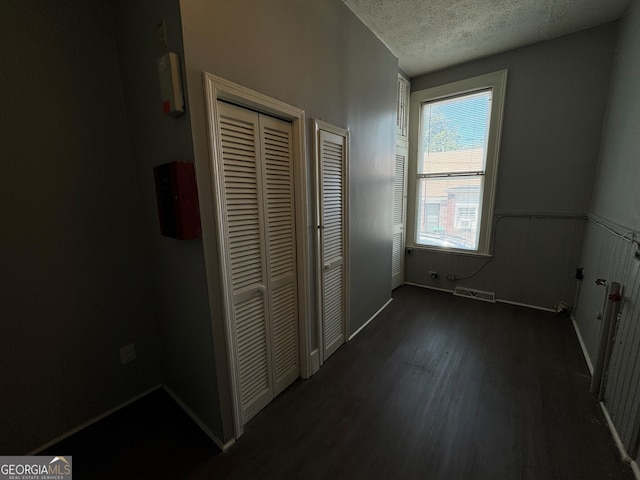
[[127, 353], [451, 277]]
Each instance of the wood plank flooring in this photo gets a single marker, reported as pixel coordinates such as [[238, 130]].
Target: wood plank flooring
[[438, 388]]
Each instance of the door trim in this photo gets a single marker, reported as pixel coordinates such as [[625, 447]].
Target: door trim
[[217, 88], [317, 126]]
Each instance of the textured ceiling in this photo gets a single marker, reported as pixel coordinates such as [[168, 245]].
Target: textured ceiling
[[428, 35]]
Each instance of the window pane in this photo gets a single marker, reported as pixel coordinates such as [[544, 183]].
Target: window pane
[[454, 134], [449, 211]]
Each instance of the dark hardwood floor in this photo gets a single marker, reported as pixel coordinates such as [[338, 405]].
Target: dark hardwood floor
[[437, 388]]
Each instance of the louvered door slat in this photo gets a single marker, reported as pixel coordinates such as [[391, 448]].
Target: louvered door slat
[[281, 249], [240, 145], [399, 208], [285, 330], [396, 258], [333, 313], [398, 191]]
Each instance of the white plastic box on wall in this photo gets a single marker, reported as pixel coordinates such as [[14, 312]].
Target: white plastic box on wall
[[170, 79]]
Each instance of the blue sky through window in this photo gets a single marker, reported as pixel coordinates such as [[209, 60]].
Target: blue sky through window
[[465, 117]]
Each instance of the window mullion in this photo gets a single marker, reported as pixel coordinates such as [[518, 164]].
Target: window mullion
[[450, 174]]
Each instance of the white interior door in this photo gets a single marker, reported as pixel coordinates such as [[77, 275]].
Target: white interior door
[[332, 234], [259, 221], [399, 209], [400, 184]]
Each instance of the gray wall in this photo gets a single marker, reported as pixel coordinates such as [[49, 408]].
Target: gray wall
[[616, 194], [606, 255], [84, 269], [316, 56], [555, 102], [178, 267], [74, 273]]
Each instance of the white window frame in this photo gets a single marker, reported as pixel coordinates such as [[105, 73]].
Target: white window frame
[[497, 82]]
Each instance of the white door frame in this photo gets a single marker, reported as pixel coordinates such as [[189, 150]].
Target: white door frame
[[217, 88], [317, 126]]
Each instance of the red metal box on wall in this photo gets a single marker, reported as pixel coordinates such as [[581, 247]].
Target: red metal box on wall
[[177, 195]]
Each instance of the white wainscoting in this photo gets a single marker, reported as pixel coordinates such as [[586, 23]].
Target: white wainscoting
[[609, 253], [534, 261]]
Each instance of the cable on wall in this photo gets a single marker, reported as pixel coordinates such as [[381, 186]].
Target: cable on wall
[[499, 217], [627, 237]]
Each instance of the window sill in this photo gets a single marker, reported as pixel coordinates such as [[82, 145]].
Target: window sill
[[448, 251]]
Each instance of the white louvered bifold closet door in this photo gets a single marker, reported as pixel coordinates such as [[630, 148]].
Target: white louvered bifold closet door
[[399, 209], [400, 184], [260, 252], [332, 239]]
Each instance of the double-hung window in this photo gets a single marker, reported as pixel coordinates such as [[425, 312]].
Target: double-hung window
[[455, 136]]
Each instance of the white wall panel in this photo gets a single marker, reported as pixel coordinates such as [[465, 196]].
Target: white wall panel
[[534, 261], [611, 256]]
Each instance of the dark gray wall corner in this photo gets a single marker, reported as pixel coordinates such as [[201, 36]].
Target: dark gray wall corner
[[75, 271], [178, 267]]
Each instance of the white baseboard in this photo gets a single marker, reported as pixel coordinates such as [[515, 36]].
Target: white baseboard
[[221, 445], [428, 287], [370, 320], [624, 456], [187, 410], [518, 304], [498, 300], [93, 420], [315, 362], [585, 353]]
